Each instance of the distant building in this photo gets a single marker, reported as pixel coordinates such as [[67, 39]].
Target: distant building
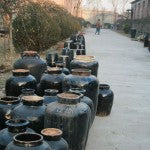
[[94, 15]]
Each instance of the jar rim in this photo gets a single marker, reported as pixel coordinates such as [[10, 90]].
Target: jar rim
[[28, 139], [104, 86], [30, 52], [17, 122], [9, 99], [81, 72], [52, 132], [32, 98], [20, 71]]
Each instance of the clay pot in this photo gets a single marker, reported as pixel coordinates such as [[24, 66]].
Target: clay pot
[[50, 96], [13, 127], [33, 110], [51, 58], [7, 104], [72, 117], [66, 60], [52, 80], [54, 138], [21, 79], [105, 100], [28, 141], [85, 62], [62, 66], [82, 78], [32, 61], [85, 100]]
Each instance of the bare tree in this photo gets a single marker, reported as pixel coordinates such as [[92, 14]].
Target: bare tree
[[115, 4], [124, 4]]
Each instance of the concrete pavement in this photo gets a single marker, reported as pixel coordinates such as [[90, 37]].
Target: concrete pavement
[[125, 66]]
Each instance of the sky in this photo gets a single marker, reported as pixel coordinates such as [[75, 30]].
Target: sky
[[105, 3]]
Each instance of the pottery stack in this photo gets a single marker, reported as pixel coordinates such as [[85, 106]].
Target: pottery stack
[[51, 104]]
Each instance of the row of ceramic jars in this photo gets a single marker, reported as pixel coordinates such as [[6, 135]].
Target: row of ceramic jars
[[74, 120], [17, 135]]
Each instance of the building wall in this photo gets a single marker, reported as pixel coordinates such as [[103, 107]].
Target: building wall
[[94, 15], [141, 9], [141, 13]]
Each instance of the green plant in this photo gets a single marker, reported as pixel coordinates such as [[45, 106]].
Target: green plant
[[127, 28], [38, 26]]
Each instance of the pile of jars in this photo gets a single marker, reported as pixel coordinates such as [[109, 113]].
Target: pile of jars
[[51, 105]]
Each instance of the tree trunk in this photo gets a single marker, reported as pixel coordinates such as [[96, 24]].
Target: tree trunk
[[10, 39]]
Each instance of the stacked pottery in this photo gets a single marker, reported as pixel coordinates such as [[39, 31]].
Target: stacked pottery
[[33, 110], [54, 138], [28, 141], [32, 61], [63, 67], [72, 117], [51, 58], [51, 80], [50, 96], [13, 127], [105, 100], [20, 79], [7, 104], [82, 78], [85, 62]]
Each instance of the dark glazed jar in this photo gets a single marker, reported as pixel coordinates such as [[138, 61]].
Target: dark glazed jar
[[32, 61], [70, 116], [64, 69], [52, 80], [82, 78], [85, 62], [54, 138], [28, 141], [21, 79], [50, 96], [105, 100], [85, 100], [33, 110], [51, 58], [27, 92], [7, 104], [13, 127]]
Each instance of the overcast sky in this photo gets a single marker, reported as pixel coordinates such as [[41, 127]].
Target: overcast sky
[[106, 3]]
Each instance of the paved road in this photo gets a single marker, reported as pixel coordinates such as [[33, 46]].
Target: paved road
[[125, 66]]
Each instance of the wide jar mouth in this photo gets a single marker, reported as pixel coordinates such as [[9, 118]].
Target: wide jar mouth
[[20, 72], [28, 139], [51, 92], [17, 125], [85, 58], [104, 87], [51, 133], [17, 122], [30, 53], [32, 100], [78, 90], [54, 70], [69, 98], [28, 91], [9, 100], [81, 72]]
